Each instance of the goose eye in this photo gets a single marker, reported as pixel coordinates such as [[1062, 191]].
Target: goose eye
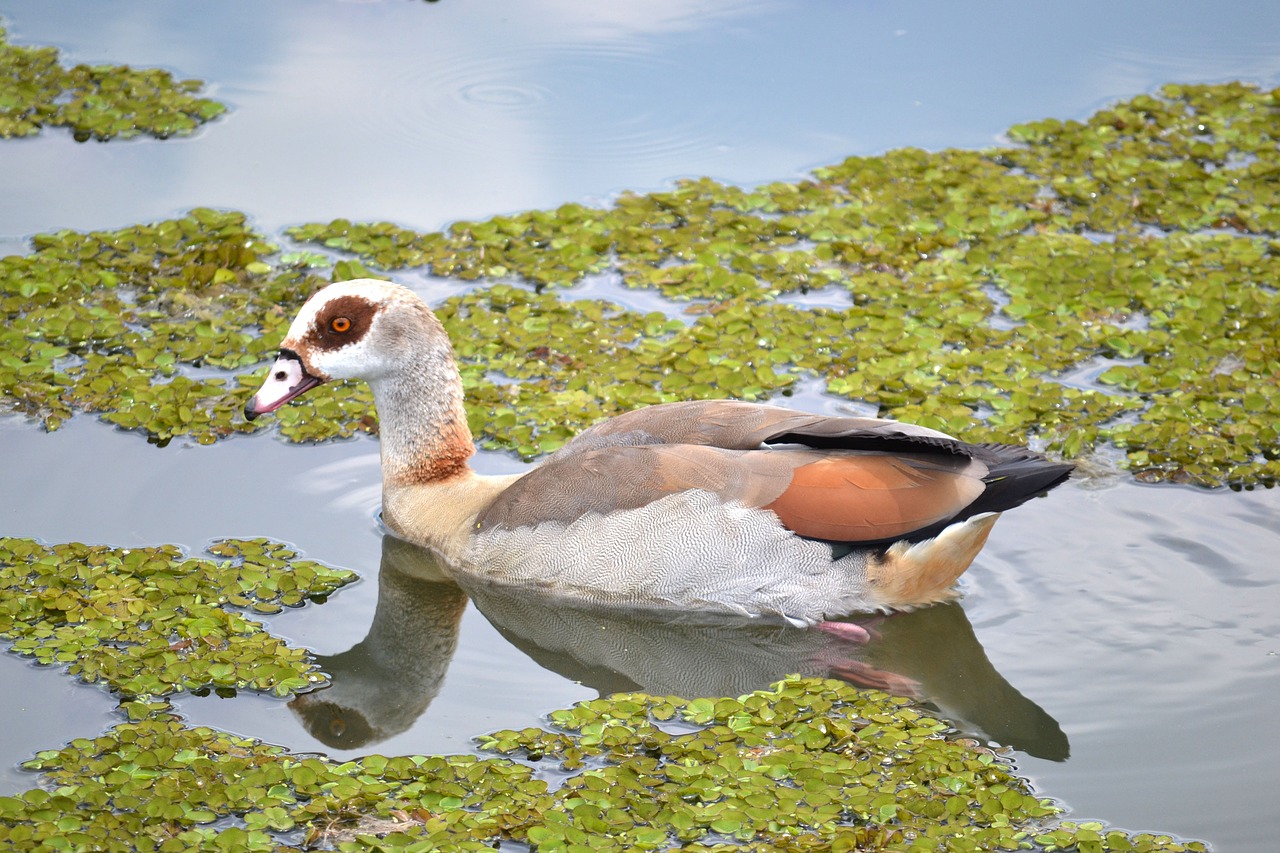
[[340, 324]]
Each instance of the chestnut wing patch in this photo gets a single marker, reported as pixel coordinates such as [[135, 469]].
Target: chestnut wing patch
[[871, 497]]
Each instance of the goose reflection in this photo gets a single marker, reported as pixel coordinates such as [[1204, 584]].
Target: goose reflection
[[382, 685], [385, 682]]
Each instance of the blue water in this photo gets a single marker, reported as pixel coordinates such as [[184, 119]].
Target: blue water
[[1136, 627]]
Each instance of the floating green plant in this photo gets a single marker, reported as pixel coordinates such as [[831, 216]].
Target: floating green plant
[[1191, 157], [805, 765], [95, 101], [151, 621], [155, 784]]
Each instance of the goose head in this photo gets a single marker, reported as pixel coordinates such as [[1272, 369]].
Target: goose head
[[360, 329]]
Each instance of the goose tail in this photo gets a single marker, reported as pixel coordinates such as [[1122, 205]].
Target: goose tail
[[914, 574]]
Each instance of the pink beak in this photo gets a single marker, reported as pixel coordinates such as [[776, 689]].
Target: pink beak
[[287, 379]]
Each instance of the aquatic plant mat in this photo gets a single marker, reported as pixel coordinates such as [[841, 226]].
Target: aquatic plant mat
[[805, 765], [95, 101], [1100, 284], [152, 621]]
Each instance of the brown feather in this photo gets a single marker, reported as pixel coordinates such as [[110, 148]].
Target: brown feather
[[846, 496], [869, 497], [614, 479]]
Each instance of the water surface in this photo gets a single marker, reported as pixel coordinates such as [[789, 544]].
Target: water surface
[[1125, 638], [424, 114]]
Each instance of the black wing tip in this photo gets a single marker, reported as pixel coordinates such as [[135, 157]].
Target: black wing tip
[[1016, 475]]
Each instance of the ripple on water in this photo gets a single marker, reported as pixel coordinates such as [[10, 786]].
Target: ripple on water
[[561, 100], [1132, 586], [1132, 65]]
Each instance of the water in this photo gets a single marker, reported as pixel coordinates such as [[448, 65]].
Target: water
[[426, 115], [1135, 628]]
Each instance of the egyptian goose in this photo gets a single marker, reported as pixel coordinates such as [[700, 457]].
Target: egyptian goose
[[714, 505]]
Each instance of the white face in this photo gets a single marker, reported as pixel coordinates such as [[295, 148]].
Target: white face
[[331, 338]]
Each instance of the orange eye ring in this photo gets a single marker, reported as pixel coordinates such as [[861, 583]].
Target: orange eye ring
[[340, 324]]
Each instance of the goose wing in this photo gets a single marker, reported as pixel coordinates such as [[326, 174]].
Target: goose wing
[[838, 495]]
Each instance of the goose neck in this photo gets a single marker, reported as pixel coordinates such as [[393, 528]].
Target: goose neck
[[422, 426]]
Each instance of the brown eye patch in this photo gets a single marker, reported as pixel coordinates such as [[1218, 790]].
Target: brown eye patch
[[343, 320]]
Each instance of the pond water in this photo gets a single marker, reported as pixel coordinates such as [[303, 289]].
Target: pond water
[[1126, 639]]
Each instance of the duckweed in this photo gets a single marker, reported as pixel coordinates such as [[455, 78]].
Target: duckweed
[[804, 765], [152, 621], [1188, 158], [155, 784], [95, 101], [1107, 282]]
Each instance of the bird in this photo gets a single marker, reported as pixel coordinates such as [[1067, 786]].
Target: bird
[[724, 507]]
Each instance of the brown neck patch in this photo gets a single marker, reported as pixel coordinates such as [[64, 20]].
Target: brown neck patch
[[444, 458]]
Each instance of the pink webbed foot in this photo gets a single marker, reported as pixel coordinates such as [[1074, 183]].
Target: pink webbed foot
[[848, 631]]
